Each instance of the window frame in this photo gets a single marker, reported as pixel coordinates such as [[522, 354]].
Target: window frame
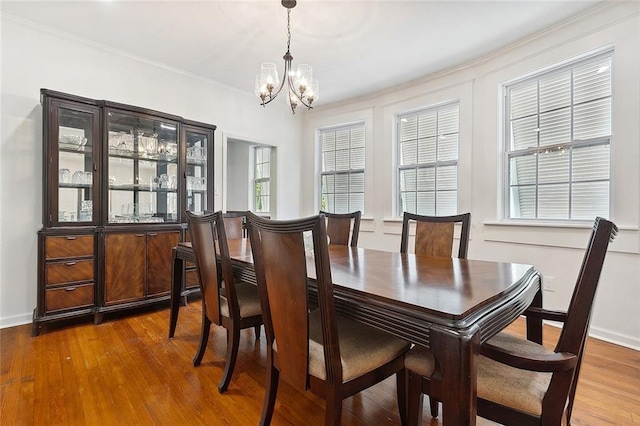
[[362, 171], [427, 165], [261, 180], [562, 147]]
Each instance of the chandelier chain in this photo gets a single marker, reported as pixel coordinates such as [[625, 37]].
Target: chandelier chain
[[288, 30]]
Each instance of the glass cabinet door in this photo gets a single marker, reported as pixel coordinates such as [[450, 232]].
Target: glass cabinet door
[[73, 136], [197, 170], [142, 153]]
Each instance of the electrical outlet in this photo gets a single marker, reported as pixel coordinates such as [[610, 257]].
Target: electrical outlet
[[548, 283]]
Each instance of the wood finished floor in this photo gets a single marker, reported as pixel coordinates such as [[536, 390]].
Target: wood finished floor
[[127, 372]]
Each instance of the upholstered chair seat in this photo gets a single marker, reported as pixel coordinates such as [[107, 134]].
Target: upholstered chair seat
[[497, 381], [420, 360], [248, 300], [362, 348]]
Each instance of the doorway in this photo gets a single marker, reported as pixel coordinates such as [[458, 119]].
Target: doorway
[[251, 177]]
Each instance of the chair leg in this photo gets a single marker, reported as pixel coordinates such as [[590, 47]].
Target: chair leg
[[270, 391], [401, 385], [204, 338], [257, 331], [414, 398], [233, 341], [333, 407], [433, 403]]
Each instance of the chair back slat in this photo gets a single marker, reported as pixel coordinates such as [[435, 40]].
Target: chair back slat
[[338, 231], [434, 239], [203, 240], [285, 279], [339, 227], [234, 224]]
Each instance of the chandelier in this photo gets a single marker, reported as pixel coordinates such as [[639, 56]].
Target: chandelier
[[301, 87]]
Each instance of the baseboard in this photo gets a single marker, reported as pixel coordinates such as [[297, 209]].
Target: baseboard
[[615, 338], [16, 320]]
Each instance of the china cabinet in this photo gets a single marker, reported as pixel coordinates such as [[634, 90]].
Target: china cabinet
[[117, 180]]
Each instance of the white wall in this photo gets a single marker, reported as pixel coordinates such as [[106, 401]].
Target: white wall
[[556, 251], [34, 57], [238, 175]]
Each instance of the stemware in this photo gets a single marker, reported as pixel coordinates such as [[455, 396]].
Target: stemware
[[63, 175]]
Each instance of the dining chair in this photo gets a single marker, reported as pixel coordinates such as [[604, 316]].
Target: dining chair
[[434, 234], [314, 349], [231, 304], [520, 382], [339, 226]]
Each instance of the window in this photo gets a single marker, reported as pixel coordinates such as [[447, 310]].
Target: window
[[342, 176], [557, 142], [428, 161], [262, 181]]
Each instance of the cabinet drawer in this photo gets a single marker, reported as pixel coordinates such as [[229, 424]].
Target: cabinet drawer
[[69, 297], [68, 272], [69, 246]]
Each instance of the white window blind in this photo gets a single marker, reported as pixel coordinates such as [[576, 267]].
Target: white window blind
[[262, 179], [558, 139], [342, 175], [428, 161]]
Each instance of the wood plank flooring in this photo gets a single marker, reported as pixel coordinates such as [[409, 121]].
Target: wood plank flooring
[[127, 372]]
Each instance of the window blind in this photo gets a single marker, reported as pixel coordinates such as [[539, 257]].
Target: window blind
[[262, 180], [559, 134], [428, 161], [343, 163]]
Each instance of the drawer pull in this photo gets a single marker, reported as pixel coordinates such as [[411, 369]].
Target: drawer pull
[[71, 238], [70, 288], [140, 235], [70, 263], [152, 234]]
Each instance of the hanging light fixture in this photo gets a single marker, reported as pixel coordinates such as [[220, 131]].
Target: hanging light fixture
[[301, 87]]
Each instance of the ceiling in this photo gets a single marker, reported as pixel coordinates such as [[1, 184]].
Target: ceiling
[[355, 47]]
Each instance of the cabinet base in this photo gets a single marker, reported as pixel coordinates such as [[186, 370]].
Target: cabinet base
[[66, 318], [69, 317]]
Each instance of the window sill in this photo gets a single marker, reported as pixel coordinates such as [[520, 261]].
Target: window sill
[[540, 224], [556, 234]]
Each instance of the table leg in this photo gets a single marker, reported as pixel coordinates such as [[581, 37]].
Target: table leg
[[534, 324], [456, 355], [176, 288]]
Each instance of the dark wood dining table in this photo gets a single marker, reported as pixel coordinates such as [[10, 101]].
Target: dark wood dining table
[[446, 304]]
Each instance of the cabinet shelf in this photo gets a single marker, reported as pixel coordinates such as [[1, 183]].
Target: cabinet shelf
[[75, 149], [138, 219], [192, 162], [76, 185], [130, 155], [142, 187]]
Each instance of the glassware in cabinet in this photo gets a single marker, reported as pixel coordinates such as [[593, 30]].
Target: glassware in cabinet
[[198, 170], [142, 168], [73, 134]]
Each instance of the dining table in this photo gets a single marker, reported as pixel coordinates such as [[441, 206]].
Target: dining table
[[448, 305]]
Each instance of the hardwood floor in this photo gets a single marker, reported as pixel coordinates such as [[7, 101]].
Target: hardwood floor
[[127, 372]]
